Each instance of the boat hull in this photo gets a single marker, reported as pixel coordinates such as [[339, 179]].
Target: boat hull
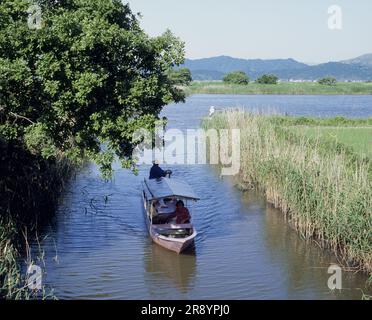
[[177, 247]]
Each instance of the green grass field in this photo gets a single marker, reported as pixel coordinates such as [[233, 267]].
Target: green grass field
[[358, 138], [288, 88]]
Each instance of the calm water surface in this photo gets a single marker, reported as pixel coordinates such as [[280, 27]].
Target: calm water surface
[[97, 247]]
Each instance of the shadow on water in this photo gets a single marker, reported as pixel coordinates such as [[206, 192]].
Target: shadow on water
[[306, 261]]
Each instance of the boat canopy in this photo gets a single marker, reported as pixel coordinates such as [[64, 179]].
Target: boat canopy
[[165, 188]]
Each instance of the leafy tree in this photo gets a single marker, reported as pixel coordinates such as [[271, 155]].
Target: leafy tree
[[267, 79], [236, 77], [328, 81], [181, 76], [88, 77]]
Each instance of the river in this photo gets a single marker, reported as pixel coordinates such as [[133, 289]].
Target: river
[[97, 246]]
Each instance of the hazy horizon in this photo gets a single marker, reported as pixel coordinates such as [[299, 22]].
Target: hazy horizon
[[265, 29], [258, 58]]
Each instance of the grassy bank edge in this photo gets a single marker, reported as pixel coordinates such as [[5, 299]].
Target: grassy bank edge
[[282, 88]]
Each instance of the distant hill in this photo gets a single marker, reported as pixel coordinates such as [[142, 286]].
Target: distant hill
[[223, 64], [207, 74], [216, 67], [341, 71], [365, 60]]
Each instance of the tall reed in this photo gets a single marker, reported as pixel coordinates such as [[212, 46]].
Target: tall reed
[[13, 279], [322, 187], [29, 187]]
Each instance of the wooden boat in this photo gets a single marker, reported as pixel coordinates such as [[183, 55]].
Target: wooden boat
[[159, 200]]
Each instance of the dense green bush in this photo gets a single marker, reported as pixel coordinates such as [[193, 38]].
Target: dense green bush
[[236, 77], [328, 81], [268, 79]]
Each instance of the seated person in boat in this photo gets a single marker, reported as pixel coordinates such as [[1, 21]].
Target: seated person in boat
[[181, 215], [162, 209], [156, 172]]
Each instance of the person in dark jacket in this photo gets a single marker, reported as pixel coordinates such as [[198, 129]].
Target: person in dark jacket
[[156, 172]]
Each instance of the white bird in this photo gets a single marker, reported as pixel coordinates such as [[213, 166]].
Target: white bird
[[212, 110]]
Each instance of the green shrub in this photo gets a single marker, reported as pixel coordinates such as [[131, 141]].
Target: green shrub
[[268, 79], [328, 81], [236, 77]]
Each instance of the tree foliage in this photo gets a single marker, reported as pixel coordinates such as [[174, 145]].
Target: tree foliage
[[236, 77], [181, 76], [88, 77], [268, 79], [328, 81]]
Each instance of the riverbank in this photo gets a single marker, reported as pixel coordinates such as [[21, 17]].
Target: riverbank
[[284, 88], [30, 187], [322, 185]]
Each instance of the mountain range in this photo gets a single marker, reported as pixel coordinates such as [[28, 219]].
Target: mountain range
[[357, 69]]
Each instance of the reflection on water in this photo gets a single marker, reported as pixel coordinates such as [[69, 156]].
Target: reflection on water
[[308, 263], [98, 246], [179, 270]]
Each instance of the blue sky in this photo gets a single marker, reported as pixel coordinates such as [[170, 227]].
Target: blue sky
[[262, 28]]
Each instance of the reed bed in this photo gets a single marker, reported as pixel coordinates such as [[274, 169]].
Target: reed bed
[[30, 188], [323, 188], [13, 279]]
